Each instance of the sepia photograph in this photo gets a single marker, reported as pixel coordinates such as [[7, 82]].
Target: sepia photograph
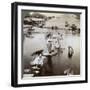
[[51, 43]]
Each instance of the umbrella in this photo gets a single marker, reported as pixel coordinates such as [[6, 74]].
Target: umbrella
[[37, 52]]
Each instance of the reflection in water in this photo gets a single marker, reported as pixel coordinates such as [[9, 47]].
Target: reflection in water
[[58, 64]]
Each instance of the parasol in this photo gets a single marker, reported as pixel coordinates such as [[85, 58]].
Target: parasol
[[37, 52]]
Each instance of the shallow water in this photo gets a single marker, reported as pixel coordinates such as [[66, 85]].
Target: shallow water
[[61, 61]]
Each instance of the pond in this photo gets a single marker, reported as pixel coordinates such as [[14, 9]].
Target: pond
[[60, 62]]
